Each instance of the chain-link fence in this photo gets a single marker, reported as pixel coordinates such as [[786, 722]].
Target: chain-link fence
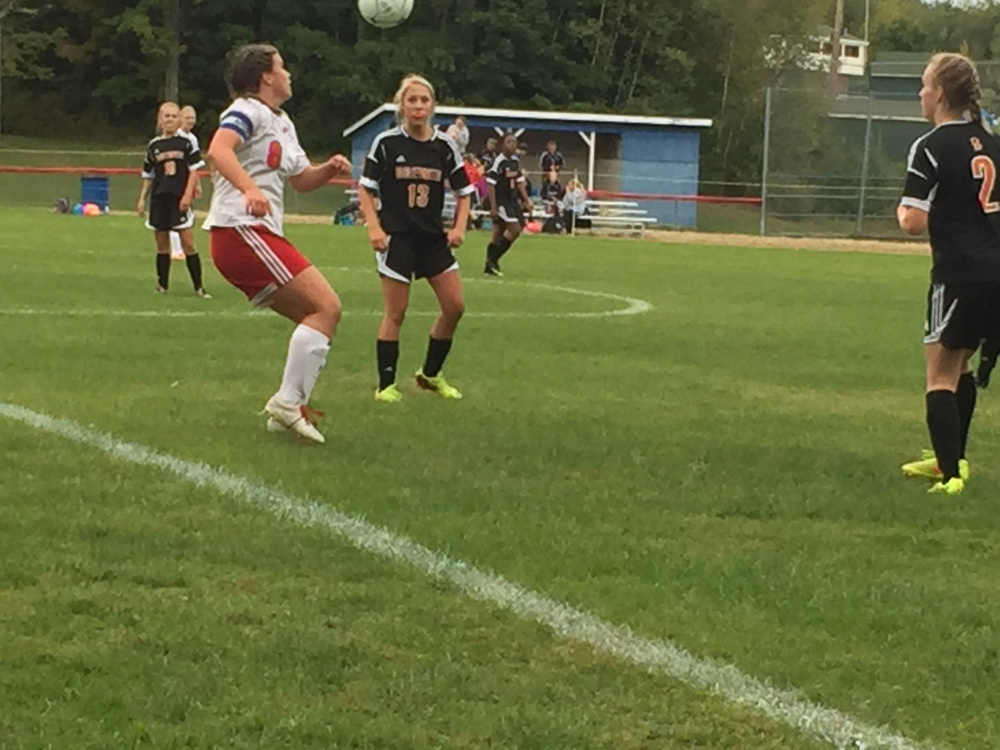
[[834, 165]]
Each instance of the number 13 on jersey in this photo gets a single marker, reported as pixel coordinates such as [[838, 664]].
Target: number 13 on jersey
[[419, 194], [984, 169]]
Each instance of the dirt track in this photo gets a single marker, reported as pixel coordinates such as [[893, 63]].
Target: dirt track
[[885, 247]]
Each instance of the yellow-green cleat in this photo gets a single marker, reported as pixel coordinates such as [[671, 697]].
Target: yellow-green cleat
[[927, 467], [437, 384], [953, 486], [389, 395]]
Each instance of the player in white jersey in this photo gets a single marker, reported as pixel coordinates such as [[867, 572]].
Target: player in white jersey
[[254, 151]]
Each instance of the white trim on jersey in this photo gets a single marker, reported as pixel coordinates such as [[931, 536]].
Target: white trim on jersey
[[915, 203], [266, 255], [459, 162], [467, 190], [369, 183], [378, 141]]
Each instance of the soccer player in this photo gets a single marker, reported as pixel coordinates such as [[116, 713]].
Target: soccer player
[[254, 152], [407, 168], [507, 195], [189, 118], [951, 191], [168, 173]]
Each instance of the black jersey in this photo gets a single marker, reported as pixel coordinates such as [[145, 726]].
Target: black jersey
[[504, 175], [169, 161], [409, 176], [952, 174]]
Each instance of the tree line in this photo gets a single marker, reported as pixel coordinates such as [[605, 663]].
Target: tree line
[[96, 69]]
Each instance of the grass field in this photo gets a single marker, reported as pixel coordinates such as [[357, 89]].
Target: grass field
[[719, 471]]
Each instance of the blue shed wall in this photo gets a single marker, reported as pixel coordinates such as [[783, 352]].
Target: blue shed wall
[[361, 141], [653, 160], [665, 162]]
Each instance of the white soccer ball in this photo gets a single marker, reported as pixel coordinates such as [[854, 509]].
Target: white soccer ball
[[385, 13]]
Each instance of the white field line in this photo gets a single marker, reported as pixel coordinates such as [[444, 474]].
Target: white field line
[[723, 680], [633, 306]]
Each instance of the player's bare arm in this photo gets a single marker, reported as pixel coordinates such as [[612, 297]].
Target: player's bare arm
[[376, 235], [222, 152], [911, 220], [319, 175], [456, 235], [140, 206]]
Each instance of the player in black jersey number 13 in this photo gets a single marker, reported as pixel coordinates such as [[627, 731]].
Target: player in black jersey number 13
[[951, 191], [406, 169]]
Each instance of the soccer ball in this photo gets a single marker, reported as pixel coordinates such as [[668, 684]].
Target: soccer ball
[[385, 13]]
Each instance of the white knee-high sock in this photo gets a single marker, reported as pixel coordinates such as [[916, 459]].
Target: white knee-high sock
[[307, 350]]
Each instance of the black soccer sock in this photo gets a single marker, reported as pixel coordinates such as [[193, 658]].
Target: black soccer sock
[[987, 361], [387, 354], [437, 352], [503, 246], [194, 268], [943, 422], [491, 253], [163, 269], [965, 396]]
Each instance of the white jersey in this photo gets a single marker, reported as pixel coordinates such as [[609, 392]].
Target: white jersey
[[269, 152]]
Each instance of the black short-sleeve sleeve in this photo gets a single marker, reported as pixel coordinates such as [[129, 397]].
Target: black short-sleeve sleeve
[[921, 176]]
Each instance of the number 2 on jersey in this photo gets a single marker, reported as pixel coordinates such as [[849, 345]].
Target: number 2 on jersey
[[419, 195], [984, 169]]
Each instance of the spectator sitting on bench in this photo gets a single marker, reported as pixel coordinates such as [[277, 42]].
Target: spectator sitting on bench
[[574, 206], [551, 192]]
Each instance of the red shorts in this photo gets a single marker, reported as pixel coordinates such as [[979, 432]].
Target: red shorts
[[255, 260]]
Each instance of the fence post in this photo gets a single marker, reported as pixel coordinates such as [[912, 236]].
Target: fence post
[[764, 167], [864, 168]]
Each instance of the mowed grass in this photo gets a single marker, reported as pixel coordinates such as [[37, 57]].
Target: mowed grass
[[721, 471]]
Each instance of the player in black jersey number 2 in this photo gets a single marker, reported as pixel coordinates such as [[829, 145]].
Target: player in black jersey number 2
[[406, 169], [951, 190]]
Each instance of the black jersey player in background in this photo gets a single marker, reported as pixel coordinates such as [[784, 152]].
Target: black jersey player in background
[[406, 169], [951, 190], [169, 172], [508, 194]]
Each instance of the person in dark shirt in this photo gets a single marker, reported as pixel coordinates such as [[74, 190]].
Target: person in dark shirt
[[407, 169], [551, 191], [951, 190], [169, 173], [489, 154], [551, 159], [507, 196]]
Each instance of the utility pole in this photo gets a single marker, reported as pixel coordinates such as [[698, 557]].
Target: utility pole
[[172, 83], [838, 24]]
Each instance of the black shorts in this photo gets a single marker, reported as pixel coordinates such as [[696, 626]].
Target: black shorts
[[961, 314], [511, 213], [165, 213], [415, 256]]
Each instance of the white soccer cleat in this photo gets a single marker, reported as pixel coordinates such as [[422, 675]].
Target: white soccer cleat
[[297, 418]]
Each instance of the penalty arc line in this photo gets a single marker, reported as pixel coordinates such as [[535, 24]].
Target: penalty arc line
[[634, 306], [719, 678]]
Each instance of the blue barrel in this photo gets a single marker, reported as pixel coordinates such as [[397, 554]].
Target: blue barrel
[[96, 190]]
